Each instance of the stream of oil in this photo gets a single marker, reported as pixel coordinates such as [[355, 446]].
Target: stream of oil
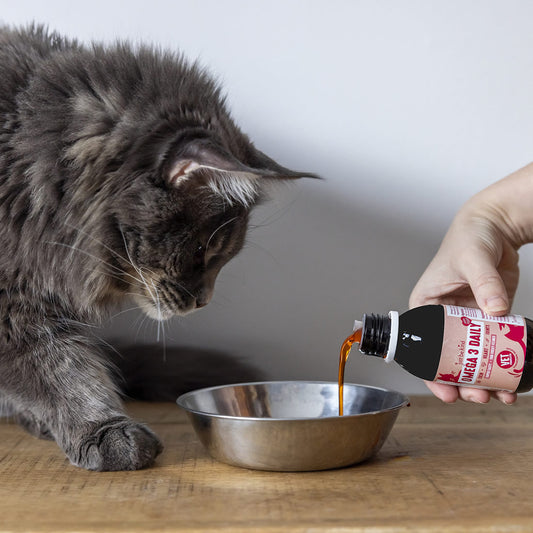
[[345, 352]]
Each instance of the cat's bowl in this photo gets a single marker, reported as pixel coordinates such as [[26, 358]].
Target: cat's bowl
[[292, 425]]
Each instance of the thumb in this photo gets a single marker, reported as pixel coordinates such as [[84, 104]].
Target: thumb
[[487, 285]]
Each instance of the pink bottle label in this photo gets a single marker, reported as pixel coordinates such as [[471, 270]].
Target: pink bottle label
[[483, 351]]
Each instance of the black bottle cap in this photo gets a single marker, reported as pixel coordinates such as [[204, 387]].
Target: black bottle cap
[[376, 335]]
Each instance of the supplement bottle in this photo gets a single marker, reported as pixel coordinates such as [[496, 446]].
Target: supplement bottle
[[454, 345]]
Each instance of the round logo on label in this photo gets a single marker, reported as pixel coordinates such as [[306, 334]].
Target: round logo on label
[[506, 359]]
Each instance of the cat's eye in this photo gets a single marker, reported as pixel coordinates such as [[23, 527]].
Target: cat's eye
[[199, 256]]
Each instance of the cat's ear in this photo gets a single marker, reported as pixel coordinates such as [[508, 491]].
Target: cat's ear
[[204, 153], [232, 179], [269, 168]]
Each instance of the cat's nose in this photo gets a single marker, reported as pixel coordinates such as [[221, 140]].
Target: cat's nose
[[203, 298]]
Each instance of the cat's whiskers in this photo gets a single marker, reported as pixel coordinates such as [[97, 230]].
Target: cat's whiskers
[[101, 243], [266, 251], [158, 307], [142, 299], [219, 228], [147, 281], [110, 346], [77, 323], [116, 272], [148, 289], [110, 274], [116, 269], [137, 325], [160, 322], [142, 279], [129, 260], [138, 269], [136, 294], [271, 218], [126, 310], [153, 294], [184, 289]]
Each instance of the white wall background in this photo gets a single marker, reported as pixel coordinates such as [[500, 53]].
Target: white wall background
[[406, 107]]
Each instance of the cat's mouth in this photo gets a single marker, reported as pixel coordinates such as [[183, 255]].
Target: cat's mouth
[[161, 301]]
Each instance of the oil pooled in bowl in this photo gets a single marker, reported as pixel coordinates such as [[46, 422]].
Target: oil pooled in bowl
[[345, 352]]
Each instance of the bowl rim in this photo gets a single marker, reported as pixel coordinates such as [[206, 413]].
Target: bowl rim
[[180, 400]]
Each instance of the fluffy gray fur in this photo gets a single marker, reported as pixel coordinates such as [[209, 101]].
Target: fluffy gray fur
[[121, 173]]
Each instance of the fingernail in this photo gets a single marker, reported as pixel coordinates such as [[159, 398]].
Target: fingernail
[[496, 304], [505, 399], [474, 399]]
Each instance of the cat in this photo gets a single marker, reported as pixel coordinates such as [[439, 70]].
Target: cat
[[122, 174]]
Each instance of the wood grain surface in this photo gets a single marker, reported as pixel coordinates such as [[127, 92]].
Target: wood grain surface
[[444, 468]]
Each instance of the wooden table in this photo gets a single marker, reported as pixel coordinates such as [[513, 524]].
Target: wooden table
[[444, 468]]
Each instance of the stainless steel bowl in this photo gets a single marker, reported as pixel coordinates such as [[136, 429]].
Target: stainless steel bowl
[[292, 425]]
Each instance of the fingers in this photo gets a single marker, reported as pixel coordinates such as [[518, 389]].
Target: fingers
[[446, 393], [480, 270], [489, 290], [451, 393], [469, 394], [507, 398]]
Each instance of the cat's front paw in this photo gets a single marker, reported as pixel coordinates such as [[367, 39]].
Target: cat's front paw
[[117, 444]]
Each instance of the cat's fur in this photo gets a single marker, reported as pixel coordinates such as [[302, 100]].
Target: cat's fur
[[121, 173]]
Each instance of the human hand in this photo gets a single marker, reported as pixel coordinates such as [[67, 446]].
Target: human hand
[[477, 263]]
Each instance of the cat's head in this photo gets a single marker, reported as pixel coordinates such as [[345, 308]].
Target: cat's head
[[184, 218]]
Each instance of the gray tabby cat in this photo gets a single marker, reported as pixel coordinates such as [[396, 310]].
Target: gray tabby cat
[[121, 173]]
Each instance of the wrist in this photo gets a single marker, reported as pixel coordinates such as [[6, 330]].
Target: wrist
[[507, 205]]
